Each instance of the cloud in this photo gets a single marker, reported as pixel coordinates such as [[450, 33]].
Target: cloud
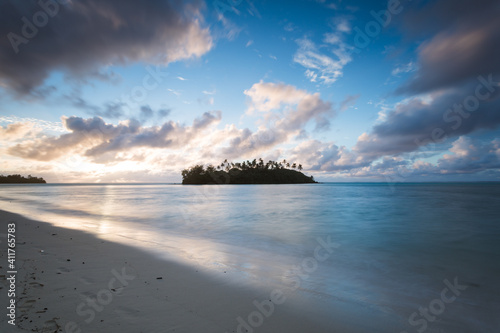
[[426, 120], [348, 102], [470, 156], [175, 92], [285, 112], [147, 113], [405, 68], [326, 156], [454, 92], [114, 110], [229, 29], [290, 27], [110, 110], [466, 44], [343, 25], [17, 131], [265, 97], [290, 108], [93, 138], [207, 119], [208, 98], [206, 92], [88, 35], [321, 66], [38, 124]]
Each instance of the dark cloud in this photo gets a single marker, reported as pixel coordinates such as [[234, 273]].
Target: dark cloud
[[146, 112], [389, 163], [465, 43], [470, 156], [459, 72], [206, 119], [419, 122], [110, 110], [162, 113], [427, 17], [115, 110], [81, 37]]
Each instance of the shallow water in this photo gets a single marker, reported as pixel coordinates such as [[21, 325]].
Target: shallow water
[[394, 245]]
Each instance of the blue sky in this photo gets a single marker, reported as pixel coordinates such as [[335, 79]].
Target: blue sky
[[127, 91]]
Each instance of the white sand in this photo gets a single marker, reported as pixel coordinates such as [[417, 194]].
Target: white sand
[[71, 281]]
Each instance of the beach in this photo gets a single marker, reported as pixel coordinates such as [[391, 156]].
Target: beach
[[71, 281]]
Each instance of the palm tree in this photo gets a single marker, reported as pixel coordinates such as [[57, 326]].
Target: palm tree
[[294, 165], [300, 167]]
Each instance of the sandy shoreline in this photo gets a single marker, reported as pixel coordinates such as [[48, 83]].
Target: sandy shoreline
[[71, 281]]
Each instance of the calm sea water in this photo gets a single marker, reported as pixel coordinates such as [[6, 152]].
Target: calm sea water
[[395, 245]]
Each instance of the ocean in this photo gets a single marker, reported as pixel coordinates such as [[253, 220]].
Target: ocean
[[424, 255]]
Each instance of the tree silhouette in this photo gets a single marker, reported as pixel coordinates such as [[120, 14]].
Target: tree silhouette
[[246, 172], [15, 179]]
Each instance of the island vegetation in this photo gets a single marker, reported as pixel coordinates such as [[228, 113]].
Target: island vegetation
[[18, 179], [247, 172]]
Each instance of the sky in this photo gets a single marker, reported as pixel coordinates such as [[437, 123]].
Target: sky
[[135, 91]]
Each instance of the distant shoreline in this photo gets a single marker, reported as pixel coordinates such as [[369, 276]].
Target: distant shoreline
[[18, 179]]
